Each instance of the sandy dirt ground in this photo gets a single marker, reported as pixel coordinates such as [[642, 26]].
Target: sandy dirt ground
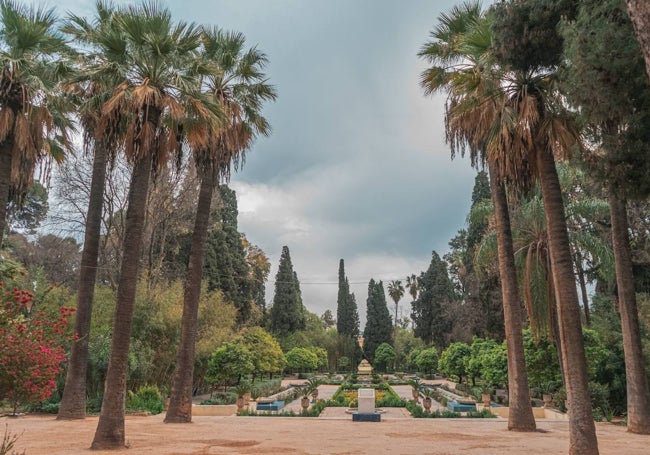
[[286, 435]]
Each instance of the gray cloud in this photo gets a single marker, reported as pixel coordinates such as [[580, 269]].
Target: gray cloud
[[357, 166]]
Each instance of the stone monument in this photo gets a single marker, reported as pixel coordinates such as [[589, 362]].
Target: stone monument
[[366, 411], [364, 368]]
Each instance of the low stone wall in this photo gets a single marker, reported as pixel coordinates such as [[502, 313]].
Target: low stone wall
[[214, 409], [538, 413]]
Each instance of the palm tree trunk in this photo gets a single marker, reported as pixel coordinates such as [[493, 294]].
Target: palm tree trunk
[[583, 289], [5, 182], [73, 403], [582, 430], [521, 416], [110, 428], [180, 403], [638, 396]]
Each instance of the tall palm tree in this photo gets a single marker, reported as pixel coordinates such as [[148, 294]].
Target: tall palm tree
[[533, 128], [34, 60], [412, 286], [102, 142], [396, 292], [459, 52], [154, 78], [240, 87], [537, 129]]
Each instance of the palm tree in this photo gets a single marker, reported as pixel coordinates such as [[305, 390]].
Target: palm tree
[[240, 87], [396, 292], [100, 138], [33, 126], [531, 129], [461, 65], [412, 286], [154, 78], [536, 128]]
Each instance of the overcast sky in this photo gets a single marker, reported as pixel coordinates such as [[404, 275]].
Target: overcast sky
[[356, 166]]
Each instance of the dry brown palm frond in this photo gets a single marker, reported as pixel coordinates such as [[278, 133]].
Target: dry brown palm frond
[[161, 144], [145, 95], [562, 136], [174, 109], [22, 136], [6, 122], [199, 108], [199, 136], [118, 101], [145, 137]]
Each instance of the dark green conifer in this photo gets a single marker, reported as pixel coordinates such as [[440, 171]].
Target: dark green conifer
[[347, 316], [287, 314], [379, 324], [436, 289]]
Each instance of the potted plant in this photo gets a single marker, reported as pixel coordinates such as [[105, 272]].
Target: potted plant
[[241, 390], [255, 394], [427, 401], [415, 385], [312, 384], [304, 401], [486, 395], [548, 388]]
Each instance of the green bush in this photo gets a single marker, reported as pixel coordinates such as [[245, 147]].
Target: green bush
[[147, 398], [599, 395], [482, 414], [267, 387], [221, 398], [418, 412], [391, 402], [94, 404], [559, 398]]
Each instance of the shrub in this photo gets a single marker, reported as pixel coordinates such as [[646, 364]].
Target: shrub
[[221, 398], [482, 414], [559, 398], [417, 412], [30, 349], [147, 398], [599, 395]]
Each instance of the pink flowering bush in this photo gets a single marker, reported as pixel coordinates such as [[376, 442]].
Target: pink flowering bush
[[31, 352]]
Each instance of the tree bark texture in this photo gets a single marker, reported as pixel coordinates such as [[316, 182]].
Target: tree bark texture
[[73, 403], [110, 428], [521, 416], [180, 403], [582, 430], [638, 395], [639, 11], [583, 289], [5, 181]]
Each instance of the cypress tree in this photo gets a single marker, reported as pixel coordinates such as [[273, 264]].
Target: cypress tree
[[225, 266], [436, 289], [286, 314], [347, 316], [379, 324]]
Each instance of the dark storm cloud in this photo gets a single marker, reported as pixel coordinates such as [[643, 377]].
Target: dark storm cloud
[[356, 166]]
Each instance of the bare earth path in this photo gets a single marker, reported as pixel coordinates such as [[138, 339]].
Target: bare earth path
[[285, 435]]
